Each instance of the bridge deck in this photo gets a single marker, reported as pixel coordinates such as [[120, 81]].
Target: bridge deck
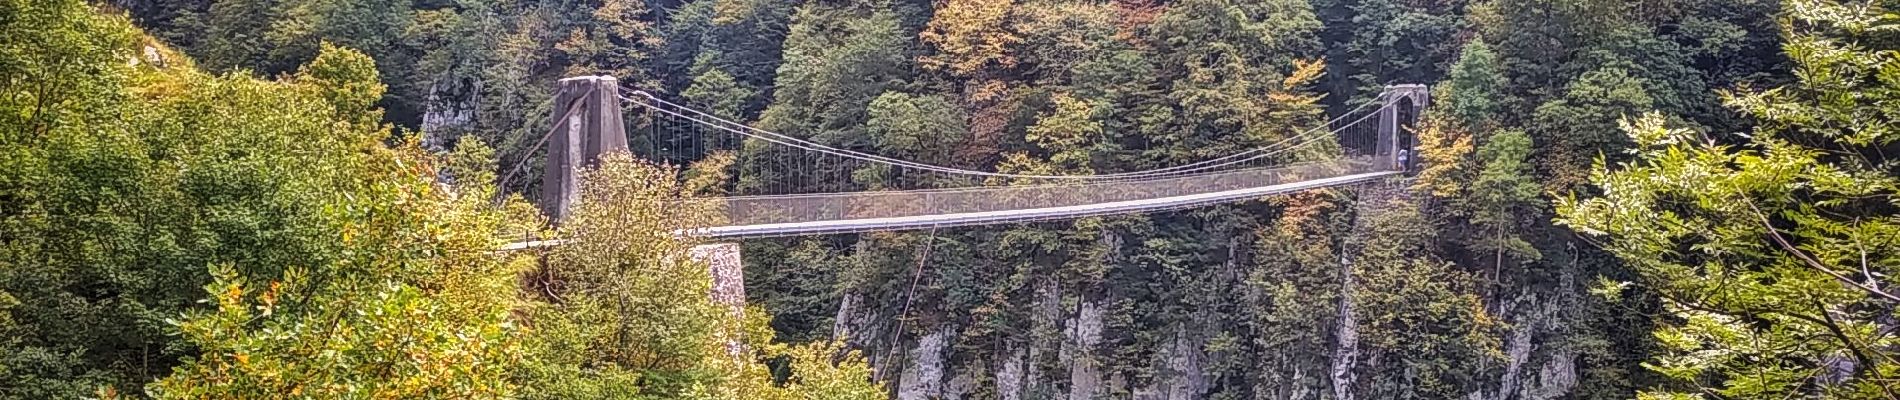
[[1242, 188], [1024, 215]]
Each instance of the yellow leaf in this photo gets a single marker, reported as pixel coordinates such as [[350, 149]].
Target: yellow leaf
[[1304, 71]]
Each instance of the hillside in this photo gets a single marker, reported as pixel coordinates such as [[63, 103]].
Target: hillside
[[1615, 199]]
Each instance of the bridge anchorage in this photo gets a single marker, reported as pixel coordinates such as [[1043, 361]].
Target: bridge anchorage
[[796, 185]]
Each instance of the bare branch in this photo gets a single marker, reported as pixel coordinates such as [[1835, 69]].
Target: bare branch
[[1810, 261]]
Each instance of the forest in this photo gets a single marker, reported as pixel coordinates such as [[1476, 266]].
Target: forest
[[1651, 199]]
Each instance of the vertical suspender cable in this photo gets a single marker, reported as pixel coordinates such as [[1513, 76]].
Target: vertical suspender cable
[[897, 331]]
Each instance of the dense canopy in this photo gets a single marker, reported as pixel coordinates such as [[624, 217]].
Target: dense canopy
[[1660, 199]]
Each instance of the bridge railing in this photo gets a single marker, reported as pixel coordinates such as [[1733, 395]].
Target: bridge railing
[[787, 209]]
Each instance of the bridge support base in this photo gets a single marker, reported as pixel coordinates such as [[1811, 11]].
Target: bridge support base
[[728, 274]]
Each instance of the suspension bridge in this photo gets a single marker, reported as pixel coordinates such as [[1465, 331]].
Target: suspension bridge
[[791, 185]]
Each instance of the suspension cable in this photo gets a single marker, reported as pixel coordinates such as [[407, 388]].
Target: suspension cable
[[874, 157], [1306, 138], [897, 331], [502, 186]]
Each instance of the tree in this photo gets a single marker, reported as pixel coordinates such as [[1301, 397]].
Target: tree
[[924, 128], [1475, 87], [375, 27], [837, 61], [357, 339], [973, 39], [1445, 153], [1772, 255], [622, 312], [1580, 126], [1396, 42], [149, 171], [1501, 197], [336, 262], [1469, 108], [717, 91], [238, 35], [613, 39], [1417, 310], [744, 38], [1070, 134], [1234, 68], [161, 171], [456, 48], [426, 313]]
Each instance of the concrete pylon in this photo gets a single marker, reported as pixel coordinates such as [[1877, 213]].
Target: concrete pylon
[[1391, 127], [587, 122], [728, 282], [728, 273]]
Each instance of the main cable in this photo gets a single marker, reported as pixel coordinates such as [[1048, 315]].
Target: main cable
[[502, 185], [814, 146], [1307, 137]]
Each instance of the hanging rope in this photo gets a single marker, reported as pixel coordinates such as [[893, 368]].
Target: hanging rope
[[897, 332], [1305, 138], [501, 188]]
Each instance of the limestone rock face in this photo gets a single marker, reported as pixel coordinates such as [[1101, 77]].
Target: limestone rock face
[[728, 276], [1065, 338], [1179, 369], [1537, 329], [728, 272], [444, 117], [962, 384], [1045, 341], [1346, 330], [857, 325], [1083, 333], [923, 378], [1011, 377]]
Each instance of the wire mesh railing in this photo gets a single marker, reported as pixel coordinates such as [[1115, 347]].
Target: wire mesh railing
[[759, 210], [796, 185]]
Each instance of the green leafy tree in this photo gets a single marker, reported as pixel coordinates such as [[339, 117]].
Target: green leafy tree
[[374, 27], [1580, 126], [415, 303], [1469, 107], [1071, 134], [1234, 68], [1475, 87], [149, 172], [63, 64], [622, 312], [925, 128], [1417, 310], [1503, 197], [837, 61], [238, 35], [1293, 292], [358, 339], [613, 38], [1394, 42], [622, 305], [717, 91], [744, 38], [1771, 253]]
